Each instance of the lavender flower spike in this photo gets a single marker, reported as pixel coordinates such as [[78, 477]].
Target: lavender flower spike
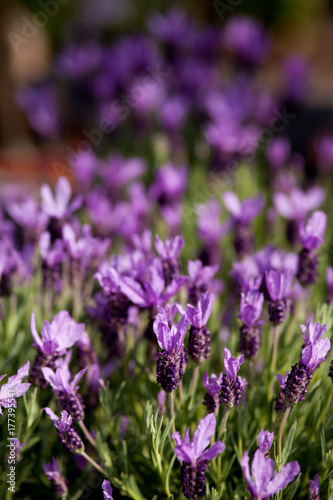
[[199, 335], [57, 480], [233, 386], [213, 386], [59, 207], [314, 488], [14, 387], [66, 433], [250, 334], [169, 252], [195, 456], [107, 490], [169, 368], [311, 235], [66, 391], [278, 286], [263, 484], [265, 440]]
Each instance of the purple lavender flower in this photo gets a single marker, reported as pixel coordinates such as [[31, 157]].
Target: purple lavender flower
[[233, 386], [169, 252], [87, 358], [195, 457], [27, 215], [242, 213], [107, 490], [57, 337], [170, 184], [58, 206], [313, 332], [199, 335], [57, 480], [52, 259], [213, 386], [66, 433], [278, 152], [314, 488], [201, 280], [280, 401], [14, 388], [261, 482], [66, 390], [246, 39], [279, 287], [250, 333], [311, 235], [169, 368], [265, 440], [210, 230]]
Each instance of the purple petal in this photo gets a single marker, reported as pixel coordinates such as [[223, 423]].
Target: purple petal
[[38, 342], [162, 332], [232, 203], [173, 288], [203, 433], [133, 291], [51, 414], [213, 451], [205, 306], [262, 471], [107, 490], [246, 471], [265, 440], [282, 478]]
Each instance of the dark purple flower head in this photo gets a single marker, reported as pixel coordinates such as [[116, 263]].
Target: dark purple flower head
[[172, 28], [195, 451], [14, 387], [246, 39], [312, 232], [67, 435], [314, 354], [296, 72], [107, 490], [298, 204], [212, 384], [243, 212], [57, 336], [58, 206], [313, 332], [265, 440], [57, 480], [169, 339], [278, 284], [78, 61], [173, 113], [251, 307], [261, 482], [314, 488], [198, 316]]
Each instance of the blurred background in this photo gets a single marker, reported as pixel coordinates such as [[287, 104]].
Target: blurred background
[[45, 102]]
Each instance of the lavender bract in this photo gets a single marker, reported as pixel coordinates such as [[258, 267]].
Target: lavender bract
[[233, 386]]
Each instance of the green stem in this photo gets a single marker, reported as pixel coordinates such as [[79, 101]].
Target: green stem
[[87, 434], [193, 386], [181, 394], [224, 423], [172, 411], [93, 463], [285, 416]]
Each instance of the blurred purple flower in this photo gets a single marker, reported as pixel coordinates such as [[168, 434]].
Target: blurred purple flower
[[14, 387]]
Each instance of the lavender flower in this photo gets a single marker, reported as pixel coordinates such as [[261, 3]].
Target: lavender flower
[[213, 386], [242, 213], [57, 480], [233, 386], [169, 252], [210, 230], [311, 235], [57, 337], [201, 280], [107, 490], [195, 457], [246, 39], [66, 390], [250, 333], [278, 286], [265, 440], [314, 488], [66, 433], [169, 369], [170, 184], [313, 332], [329, 284], [14, 388], [261, 482], [199, 335]]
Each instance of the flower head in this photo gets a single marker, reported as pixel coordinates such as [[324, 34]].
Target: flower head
[[312, 232], [107, 490], [314, 354], [251, 307], [59, 206], [212, 384], [242, 212], [313, 332], [278, 284], [14, 387], [198, 316], [314, 488], [261, 482], [265, 440], [67, 435], [57, 480], [169, 339]]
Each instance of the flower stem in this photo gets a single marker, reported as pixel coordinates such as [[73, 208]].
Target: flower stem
[[172, 411], [93, 463], [272, 369], [193, 386], [181, 394], [223, 423], [285, 416], [87, 434]]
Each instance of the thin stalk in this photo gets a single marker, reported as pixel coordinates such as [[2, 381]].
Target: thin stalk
[[93, 463], [276, 332], [285, 416], [193, 386], [251, 373], [329, 411], [172, 411], [87, 434], [181, 394], [223, 423], [76, 302], [48, 299]]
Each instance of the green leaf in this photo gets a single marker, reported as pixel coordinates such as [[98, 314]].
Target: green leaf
[[289, 443]]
